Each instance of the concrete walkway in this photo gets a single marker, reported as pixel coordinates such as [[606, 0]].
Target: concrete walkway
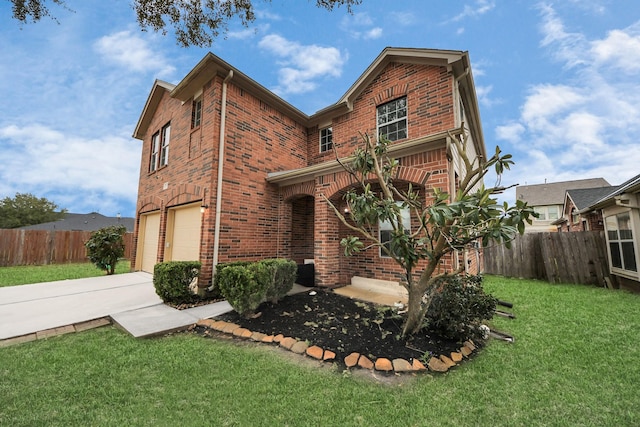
[[128, 299]]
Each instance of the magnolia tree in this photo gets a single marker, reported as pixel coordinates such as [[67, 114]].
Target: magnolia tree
[[447, 223]]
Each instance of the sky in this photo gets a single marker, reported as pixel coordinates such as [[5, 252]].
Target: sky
[[558, 83]]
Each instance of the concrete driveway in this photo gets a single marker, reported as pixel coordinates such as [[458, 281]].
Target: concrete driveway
[[30, 312]]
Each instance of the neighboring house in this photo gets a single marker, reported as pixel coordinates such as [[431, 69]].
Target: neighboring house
[[230, 171], [548, 199], [83, 222], [578, 200], [621, 212]]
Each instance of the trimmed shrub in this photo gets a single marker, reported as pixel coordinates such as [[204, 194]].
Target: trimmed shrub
[[458, 309], [106, 246], [173, 280], [244, 287], [216, 290], [284, 274]]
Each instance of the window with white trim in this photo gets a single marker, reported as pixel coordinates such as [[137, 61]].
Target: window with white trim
[[392, 119], [326, 139], [160, 148], [386, 229], [164, 151], [155, 150], [546, 213], [621, 245], [196, 112]]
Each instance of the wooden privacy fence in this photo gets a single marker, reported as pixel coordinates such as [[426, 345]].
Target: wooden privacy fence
[[576, 257], [40, 247]]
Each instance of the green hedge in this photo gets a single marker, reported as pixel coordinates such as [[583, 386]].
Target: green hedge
[[284, 274], [245, 285], [172, 280]]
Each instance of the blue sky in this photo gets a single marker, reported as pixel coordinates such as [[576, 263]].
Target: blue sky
[[558, 83]]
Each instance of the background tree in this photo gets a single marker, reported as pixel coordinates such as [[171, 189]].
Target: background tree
[[106, 246], [27, 209], [196, 22], [446, 224]]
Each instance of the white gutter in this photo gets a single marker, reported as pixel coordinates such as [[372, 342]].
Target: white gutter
[[223, 121]]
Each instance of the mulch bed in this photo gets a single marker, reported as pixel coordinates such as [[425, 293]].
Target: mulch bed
[[342, 325]]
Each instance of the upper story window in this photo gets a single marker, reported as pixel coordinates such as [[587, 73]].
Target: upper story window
[[196, 112], [160, 148], [155, 150], [326, 139], [392, 119], [621, 246], [386, 229], [546, 213]]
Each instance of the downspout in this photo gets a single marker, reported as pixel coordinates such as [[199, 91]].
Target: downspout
[[223, 122]]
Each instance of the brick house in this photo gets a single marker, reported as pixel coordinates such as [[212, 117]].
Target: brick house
[[548, 199], [574, 217], [230, 171]]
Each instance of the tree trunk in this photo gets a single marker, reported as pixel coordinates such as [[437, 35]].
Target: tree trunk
[[414, 318]]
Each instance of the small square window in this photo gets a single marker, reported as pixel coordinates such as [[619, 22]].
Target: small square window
[[326, 139]]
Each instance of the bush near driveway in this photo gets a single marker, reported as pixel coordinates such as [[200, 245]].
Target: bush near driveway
[[173, 280], [245, 285]]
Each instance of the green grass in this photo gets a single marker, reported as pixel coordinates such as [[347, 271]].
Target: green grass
[[26, 274], [574, 362]]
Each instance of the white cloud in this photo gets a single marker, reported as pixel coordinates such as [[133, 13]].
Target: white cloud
[[132, 52], [619, 50], [478, 8], [302, 65], [510, 132], [404, 19], [483, 92], [546, 101], [360, 26], [44, 161], [586, 127], [567, 47]]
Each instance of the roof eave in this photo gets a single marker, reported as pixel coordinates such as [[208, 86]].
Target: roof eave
[[400, 150], [159, 86], [211, 65]]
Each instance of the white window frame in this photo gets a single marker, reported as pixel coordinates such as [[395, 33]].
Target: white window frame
[[622, 264], [392, 113], [155, 151], [385, 226], [196, 112], [326, 139], [164, 150]]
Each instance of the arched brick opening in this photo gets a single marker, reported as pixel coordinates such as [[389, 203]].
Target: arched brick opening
[[333, 267]]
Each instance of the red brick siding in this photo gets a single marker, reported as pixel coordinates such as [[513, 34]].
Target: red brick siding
[[429, 92], [261, 220]]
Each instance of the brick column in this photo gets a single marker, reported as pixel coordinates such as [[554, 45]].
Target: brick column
[[326, 244]]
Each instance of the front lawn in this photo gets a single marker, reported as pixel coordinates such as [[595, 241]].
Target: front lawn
[[574, 362], [27, 274]]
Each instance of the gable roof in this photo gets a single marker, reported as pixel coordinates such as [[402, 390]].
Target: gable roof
[[211, 65], [157, 90], [83, 222], [553, 193], [630, 186], [584, 197]]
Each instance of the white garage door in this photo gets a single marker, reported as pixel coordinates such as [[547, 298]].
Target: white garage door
[[148, 241], [183, 234]]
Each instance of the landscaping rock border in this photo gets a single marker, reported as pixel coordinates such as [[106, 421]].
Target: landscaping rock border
[[441, 363]]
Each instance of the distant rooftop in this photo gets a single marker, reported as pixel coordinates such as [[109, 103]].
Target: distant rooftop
[[83, 222], [553, 193], [584, 197]]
